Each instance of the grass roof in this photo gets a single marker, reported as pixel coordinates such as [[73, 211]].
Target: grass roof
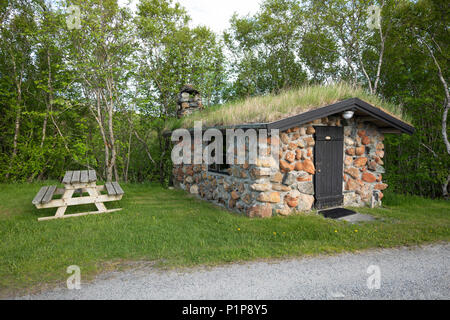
[[269, 108]]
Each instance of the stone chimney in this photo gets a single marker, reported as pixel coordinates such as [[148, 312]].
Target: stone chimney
[[189, 100]]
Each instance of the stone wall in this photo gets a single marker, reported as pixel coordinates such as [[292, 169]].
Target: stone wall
[[363, 165], [265, 189]]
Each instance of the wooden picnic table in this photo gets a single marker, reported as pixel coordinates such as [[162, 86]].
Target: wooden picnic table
[[84, 181]]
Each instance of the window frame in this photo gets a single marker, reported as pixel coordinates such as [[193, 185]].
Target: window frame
[[220, 168]]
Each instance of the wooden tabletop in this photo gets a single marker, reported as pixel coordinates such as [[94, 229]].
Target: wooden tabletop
[[80, 176]]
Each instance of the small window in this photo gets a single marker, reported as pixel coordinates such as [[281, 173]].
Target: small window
[[220, 168]]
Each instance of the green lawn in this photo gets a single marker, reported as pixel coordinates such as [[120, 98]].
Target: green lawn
[[171, 228]]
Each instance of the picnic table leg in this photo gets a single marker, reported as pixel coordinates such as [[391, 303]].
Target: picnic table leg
[[67, 195], [94, 194]]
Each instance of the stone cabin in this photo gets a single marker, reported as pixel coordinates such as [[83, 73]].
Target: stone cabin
[[331, 156]]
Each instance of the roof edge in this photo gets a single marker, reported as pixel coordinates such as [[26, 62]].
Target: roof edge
[[338, 107]]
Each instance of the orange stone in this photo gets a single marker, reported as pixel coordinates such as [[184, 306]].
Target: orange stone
[[264, 211], [379, 161], [292, 146], [304, 178], [284, 138], [285, 166], [273, 197], [310, 141], [308, 166], [365, 140], [353, 172], [360, 162], [310, 130], [350, 151], [348, 160], [381, 186], [291, 202], [380, 153], [298, 166], [361, 133], [368, 177], [235, 195], [360, 150], [277, 177], [351, 184], [290, 157], [189, 170]]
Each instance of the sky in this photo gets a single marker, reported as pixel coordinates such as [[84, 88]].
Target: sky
[[217, 13], [214, 14]]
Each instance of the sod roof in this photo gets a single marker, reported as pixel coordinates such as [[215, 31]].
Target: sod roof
[[271, 108]]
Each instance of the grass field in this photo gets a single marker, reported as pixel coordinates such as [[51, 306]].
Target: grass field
[[172, 229]]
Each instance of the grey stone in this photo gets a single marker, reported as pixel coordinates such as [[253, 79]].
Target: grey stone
[[194, 189], [350, 199], [349, 141], [305, 202], [289, 179], [306, 187]]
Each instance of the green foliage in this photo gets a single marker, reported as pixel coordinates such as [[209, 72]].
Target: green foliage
[[417, 164], [264, 49], [53, 81]]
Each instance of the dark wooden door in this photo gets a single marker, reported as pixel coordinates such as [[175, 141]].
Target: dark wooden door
[[328, 157]]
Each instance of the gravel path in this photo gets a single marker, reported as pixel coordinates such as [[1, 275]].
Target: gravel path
[[406, 273]]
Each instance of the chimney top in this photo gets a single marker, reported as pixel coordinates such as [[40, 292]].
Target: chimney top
[[189, 100], [189, 88]]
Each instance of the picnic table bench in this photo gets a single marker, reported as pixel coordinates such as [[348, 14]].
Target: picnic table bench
[[83, 181]]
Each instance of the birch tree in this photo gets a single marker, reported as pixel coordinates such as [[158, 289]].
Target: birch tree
[[428, 22], [172, 54], [100, 56], [360, 29], [265, 48], [16, 48]]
